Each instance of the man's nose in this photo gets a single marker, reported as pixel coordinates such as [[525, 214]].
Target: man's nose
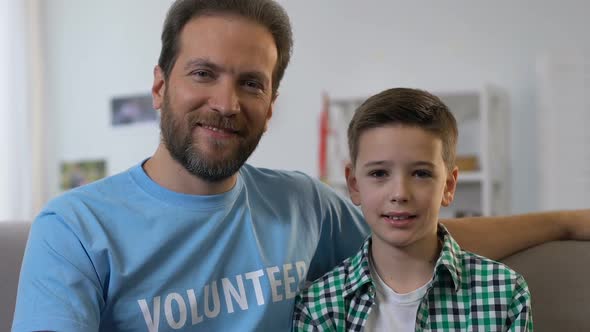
[[224, 99]]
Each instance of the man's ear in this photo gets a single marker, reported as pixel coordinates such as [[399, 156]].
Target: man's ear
[[158, 88], [450, 187], [351, 183]]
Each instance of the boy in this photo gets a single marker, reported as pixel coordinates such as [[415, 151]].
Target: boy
[[410, 275]]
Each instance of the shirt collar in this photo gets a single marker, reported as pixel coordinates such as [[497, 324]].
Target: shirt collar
[[449, 259], [359, 275]]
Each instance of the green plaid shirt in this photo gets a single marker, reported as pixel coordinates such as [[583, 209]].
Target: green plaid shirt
[[467, 293]]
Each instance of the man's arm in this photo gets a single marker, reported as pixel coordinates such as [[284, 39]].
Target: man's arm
[[58, 288], [499, 237]]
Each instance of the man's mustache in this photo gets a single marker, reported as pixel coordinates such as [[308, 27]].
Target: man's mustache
[[215, 120]]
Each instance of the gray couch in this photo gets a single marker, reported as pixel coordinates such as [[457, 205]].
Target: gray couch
[[13, 238], [556, 272]]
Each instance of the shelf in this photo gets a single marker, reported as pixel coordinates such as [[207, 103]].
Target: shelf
[[470, 177]]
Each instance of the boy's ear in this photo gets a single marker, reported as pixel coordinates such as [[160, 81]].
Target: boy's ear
[[450, 187], [352, 184]]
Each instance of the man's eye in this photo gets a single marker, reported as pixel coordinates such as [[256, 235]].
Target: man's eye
[[251, 84], [202, 74]]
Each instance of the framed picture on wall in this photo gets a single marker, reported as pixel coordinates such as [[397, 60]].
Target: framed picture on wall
[[132, 109], [78, 173]]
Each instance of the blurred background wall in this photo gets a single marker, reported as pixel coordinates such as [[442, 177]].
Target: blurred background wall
[[15, 118]]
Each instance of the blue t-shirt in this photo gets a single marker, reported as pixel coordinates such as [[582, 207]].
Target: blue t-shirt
[[125, 254]]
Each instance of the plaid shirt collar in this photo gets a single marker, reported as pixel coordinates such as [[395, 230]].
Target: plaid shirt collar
[[448, 262]]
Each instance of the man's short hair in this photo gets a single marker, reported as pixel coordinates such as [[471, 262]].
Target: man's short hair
[[267, 13]]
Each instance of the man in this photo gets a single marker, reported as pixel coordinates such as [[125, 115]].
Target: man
[[193, 238]]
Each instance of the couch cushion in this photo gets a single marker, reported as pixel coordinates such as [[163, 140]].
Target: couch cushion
[[557, 275]]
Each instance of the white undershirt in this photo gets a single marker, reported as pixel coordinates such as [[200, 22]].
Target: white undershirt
[[393, 311]]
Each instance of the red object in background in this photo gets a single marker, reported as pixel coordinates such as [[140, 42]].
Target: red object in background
[[323, 144]]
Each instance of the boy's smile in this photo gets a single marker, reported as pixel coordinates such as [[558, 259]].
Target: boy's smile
[[399, 219], [400, 180]]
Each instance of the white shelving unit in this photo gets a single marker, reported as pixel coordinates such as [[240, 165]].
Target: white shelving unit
[[484, 128], [563, 95]]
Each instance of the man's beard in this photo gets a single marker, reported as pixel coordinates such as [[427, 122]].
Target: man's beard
[[179, 142]]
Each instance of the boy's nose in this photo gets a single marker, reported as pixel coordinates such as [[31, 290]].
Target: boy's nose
[[399, 198], [399, 191], [224, 99]]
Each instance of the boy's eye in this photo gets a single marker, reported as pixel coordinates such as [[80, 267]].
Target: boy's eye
[[422, 173], [379, 173]]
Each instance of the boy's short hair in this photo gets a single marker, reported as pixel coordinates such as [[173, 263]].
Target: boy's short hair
[[408, 107]]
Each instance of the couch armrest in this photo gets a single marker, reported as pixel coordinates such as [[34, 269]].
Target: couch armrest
[[13, 239]]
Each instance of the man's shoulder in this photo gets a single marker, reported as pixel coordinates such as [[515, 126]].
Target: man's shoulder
[[103, 189], [93, 201], [273, 175], [286, 182]]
